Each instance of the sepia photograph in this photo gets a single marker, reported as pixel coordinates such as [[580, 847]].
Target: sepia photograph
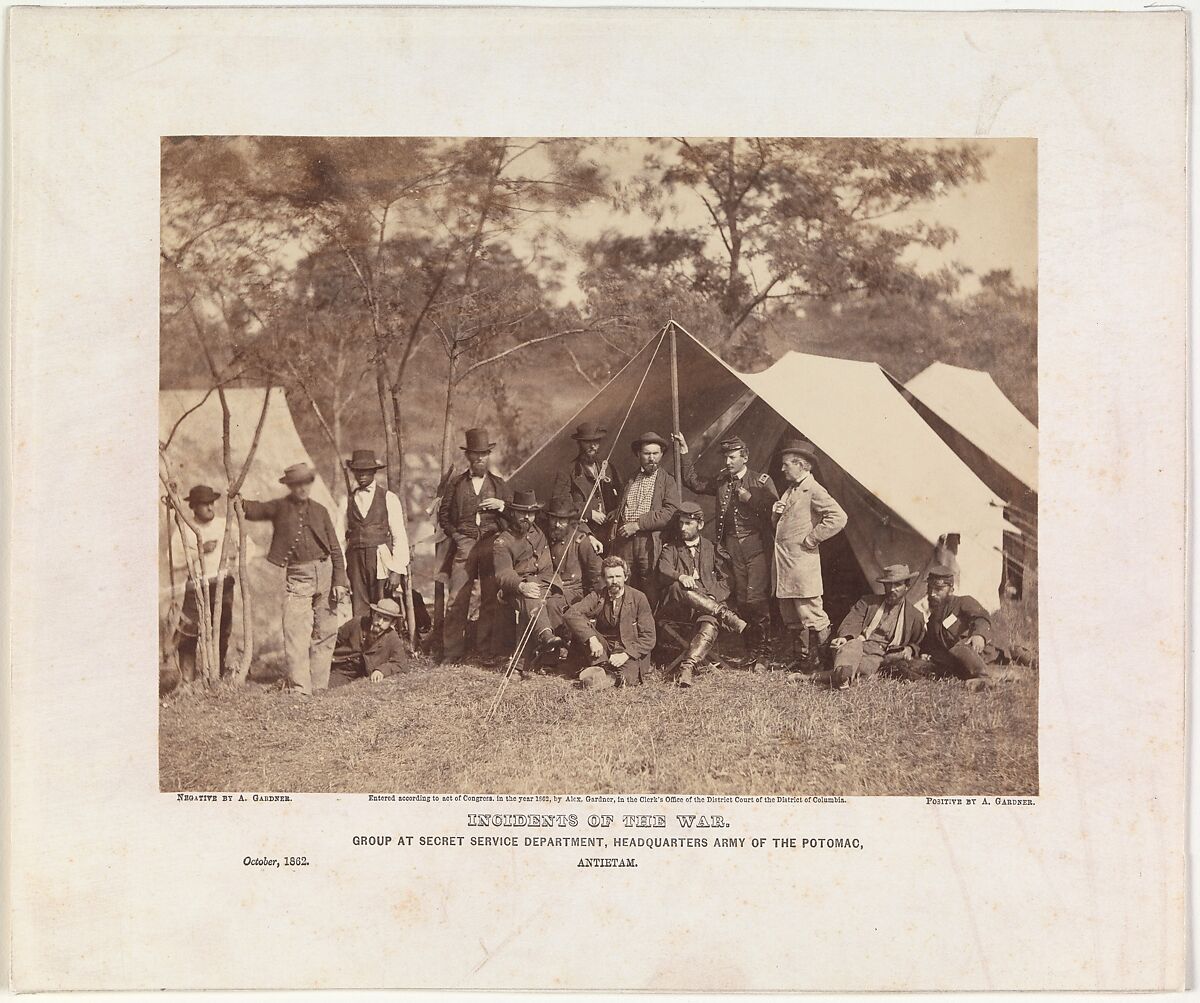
[[586, 465]]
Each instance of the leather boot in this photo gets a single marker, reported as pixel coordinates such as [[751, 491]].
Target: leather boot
[[816, 646], [801, 646], [730, 620], [707, 604], [705, 634]]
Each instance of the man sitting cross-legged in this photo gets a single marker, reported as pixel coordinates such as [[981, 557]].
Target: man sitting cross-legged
[[368, 647], [877, 628], [694, 580], [616, 627]]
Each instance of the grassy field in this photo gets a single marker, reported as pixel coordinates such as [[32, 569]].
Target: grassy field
[[733, 733]]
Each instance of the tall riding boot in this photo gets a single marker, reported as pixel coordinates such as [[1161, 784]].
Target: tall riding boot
[[702, 641], [801, 645], [729, 619], [760, 655], [704, 603], [817, 639]]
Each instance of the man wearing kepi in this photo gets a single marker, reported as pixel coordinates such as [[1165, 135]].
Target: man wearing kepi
[[877, 628], [521, 557], [376, 538], [695, 576], [305, 545], [646, 507], [616, 627], [806, 516], [592, 485], [960, 629], [743, 530], [368, 646], [470, 516]]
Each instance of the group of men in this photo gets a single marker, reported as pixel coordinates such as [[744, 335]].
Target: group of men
[[620, 572], [612, 575]]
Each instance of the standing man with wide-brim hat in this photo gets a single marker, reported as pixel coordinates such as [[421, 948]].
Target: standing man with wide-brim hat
[[878, 628], [204, 552], [805, 517], [593, 485], [646, 507], [471, 514], [744, 531], [305, 544], [371, 522]]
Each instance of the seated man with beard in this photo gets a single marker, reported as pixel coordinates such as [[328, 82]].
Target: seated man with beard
[[877, 628], [617, 629], [959, 641], [694, 580], [368, 647]]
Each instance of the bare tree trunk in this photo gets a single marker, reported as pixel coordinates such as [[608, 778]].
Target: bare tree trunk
[[243, 667], [447, 448], [235, 485]]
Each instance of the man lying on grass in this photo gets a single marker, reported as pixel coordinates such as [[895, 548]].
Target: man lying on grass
[[616, 627], [368, 647]]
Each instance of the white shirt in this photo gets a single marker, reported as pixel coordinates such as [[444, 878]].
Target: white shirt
[[390, 559], [210, 532]]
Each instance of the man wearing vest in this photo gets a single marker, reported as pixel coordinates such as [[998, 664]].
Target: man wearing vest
[[306, 546], [695, 576], [744, 531], [470, 516], [376, 538], [591, 481], [878, 628], [646, 507]]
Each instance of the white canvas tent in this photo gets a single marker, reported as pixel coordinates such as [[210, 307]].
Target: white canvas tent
[[970, 402], [901, 485]]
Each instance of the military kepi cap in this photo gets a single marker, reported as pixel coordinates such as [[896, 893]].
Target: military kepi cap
[[940, 571], [689, 510], [732, 444]]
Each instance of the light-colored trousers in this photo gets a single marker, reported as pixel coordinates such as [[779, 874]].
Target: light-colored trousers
[[799, 614], [309, 625]]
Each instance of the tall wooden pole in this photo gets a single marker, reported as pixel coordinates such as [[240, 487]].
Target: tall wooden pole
[[675, 407]]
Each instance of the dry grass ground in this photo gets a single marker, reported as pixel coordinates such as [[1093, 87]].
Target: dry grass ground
[[731, 734]]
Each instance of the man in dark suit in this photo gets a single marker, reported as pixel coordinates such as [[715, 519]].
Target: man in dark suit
[[523, 569], [368, 647], [592, 485], [647, 504], [877, 628], [470, 516], [959, 635], [306, 546], [616, 627], [744, 530], [694, 575]]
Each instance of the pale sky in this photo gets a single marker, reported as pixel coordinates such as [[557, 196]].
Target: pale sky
[[996, 219]]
